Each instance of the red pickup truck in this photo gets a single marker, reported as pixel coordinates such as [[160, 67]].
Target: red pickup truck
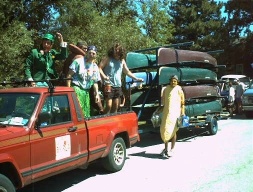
[[43, 133]]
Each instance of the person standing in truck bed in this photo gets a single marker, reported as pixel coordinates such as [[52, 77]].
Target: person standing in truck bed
[[85, 73], [76, 51], [40, 64], [111, 68]]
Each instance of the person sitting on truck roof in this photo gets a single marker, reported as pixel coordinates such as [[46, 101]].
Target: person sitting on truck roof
[[173, 101], [40, 64], [111, 68], [85, 73]]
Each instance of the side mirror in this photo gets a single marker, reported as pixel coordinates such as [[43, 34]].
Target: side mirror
[[43, 118]]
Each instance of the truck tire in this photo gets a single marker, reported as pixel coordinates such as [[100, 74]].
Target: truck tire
[[116, 158], [212, 126], [6, 185]]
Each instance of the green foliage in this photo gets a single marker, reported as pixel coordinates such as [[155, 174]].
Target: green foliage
[[14, 38], [156, 22], [103, 24], [17, 41], [197, 21], [240, 17]]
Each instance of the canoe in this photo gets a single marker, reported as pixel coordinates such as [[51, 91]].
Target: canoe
[[147, 77], [140, 60], [171, 57], [191, 110], [185, 58], [187, 75], [199, 109], [138, 96], [200, 91]]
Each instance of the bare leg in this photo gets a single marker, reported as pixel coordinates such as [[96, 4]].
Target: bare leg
[[115, 105], [166, 146], [173, 141], [108, 105]]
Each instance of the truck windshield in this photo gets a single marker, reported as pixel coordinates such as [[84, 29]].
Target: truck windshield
[[17, 108]]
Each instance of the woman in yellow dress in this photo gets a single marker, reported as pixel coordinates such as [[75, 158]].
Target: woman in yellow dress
[[173, 100]]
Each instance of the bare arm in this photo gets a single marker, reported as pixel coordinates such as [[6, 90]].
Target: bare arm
[[95, 86], [182, 103], [70, 74], [101, 66], [128, 72]]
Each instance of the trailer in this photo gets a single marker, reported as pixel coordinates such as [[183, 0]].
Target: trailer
[[197, 72]]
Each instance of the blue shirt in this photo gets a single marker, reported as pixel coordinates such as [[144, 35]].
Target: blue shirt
[[114, 71], [85, 74]]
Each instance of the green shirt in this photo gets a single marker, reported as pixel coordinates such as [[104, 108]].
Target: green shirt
[[40, 65]]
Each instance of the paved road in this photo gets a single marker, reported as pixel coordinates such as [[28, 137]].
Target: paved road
[[202, 163]]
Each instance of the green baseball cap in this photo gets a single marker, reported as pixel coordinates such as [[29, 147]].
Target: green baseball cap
[[49, 37]]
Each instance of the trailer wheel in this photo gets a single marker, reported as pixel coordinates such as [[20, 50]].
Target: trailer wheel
[[116, 158], [213, 126], [6, 185]]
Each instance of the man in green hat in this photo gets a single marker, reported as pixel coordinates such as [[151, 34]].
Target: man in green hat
[[40, 64]]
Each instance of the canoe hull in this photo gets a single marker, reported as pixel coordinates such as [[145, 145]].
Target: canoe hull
[[182, 57], [186, 74], [170, 57]]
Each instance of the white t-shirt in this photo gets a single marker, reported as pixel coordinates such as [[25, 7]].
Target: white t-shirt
[[231, 94]]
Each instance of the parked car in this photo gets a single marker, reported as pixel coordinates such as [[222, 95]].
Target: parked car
[[242, 78], [247, 102], [224, 88]]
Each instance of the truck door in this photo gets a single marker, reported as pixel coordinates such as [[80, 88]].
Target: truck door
[[55, 144]]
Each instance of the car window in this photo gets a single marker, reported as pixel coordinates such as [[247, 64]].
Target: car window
[[58, 107], [17, 108]]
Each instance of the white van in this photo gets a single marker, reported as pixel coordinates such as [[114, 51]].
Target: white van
[[242, 78]]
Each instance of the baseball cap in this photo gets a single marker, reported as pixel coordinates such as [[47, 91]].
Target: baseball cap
[[92, 47], [48, 36]]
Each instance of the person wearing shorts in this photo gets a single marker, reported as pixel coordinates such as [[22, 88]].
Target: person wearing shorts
[[111, 68]]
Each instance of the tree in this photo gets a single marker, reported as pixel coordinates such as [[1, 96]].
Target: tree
[[240, 37], [14, 38], [155, 21], [101, 23], [240, 17], [198, 21]]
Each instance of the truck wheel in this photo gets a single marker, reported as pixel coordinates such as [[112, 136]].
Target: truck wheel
[[5, 184], [116, 157], [213, 126]]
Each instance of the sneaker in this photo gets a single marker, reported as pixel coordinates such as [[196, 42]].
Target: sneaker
[[164, 154], [163, 151]]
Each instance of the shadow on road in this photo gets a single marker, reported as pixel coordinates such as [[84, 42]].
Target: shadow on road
[[63, 181], [148, 155], [183, 135], [153, 138]]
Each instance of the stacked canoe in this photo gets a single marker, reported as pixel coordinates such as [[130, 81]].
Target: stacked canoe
[[195, 70]]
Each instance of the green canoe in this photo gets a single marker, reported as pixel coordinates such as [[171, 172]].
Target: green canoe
[[191, 75]]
